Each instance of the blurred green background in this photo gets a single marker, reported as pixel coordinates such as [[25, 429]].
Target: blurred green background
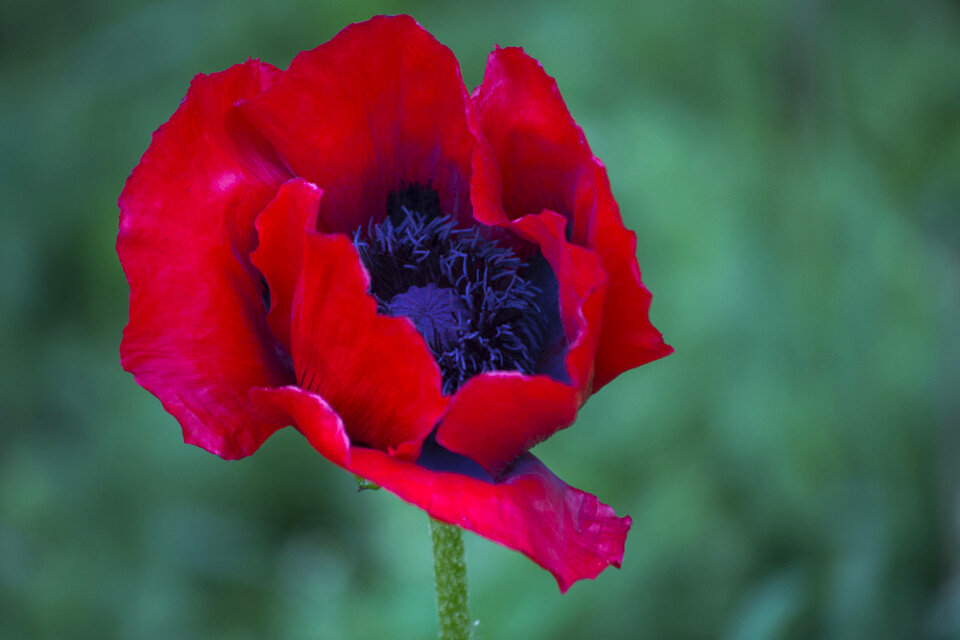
[[792, 170]]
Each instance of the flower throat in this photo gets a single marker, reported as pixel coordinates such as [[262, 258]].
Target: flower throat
[[467, 295]]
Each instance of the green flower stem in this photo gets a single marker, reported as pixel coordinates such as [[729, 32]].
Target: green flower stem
[[450, 570]]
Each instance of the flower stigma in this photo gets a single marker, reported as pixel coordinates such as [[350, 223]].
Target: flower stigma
[[439, 314], [469, 297]]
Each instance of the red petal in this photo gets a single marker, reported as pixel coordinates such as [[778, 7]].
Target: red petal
[[564, 530], [281, 227], [314, 418], [542, 162], [380, 105], [629, 339], [197, 337], [583, 287], [375, 371], [495, 417]]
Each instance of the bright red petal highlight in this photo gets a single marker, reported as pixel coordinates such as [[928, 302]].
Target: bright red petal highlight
[[375, 371], [539, 159], [496, 417], [380, 105], [197, 336], [281, 228], [564, 530]]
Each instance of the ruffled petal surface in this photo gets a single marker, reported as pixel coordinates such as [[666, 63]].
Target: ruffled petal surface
[[214, 211], [197, 336], [538, 158], [281, 228], [495, 417], [564, 530], [379, 106], [375, 371]]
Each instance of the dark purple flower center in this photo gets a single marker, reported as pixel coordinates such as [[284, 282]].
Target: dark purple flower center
[[472, 299], [439, 314]]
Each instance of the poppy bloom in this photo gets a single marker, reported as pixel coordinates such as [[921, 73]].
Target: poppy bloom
[[423, 282]]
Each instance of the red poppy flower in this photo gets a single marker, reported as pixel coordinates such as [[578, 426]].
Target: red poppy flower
[[425, 283]]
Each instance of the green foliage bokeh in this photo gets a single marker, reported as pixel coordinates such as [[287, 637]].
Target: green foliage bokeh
[[792, 170]]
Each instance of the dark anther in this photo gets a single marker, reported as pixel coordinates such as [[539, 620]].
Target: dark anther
[[467, 295]]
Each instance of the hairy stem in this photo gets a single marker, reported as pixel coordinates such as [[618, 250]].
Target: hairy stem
[[450, 570]]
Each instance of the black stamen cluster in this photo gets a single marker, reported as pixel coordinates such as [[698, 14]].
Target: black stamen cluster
[[503, 330]]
